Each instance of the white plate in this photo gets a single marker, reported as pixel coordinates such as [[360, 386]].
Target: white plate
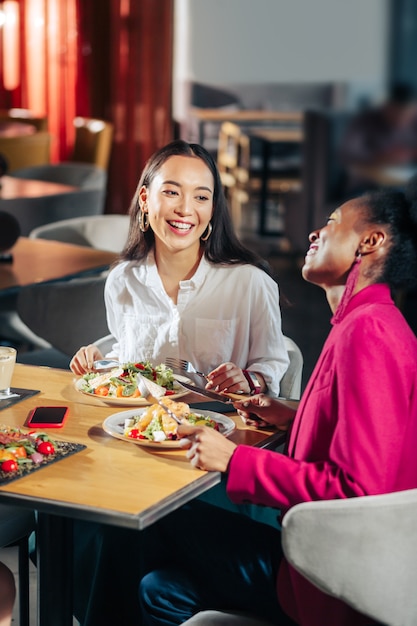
[[132, 401], [114, 426]]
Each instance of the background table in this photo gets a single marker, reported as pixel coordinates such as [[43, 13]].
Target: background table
[[12, 188], [16, 129], [40, 261]]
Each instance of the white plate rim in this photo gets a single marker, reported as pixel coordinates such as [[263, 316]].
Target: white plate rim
[[115, 420], [139, 402]]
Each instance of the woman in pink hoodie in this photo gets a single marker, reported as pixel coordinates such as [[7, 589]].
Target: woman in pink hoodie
[[353, 434]]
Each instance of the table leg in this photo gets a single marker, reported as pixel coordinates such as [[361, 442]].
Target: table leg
[[266, 153], [54, 563]]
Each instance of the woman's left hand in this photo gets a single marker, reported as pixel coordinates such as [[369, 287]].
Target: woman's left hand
[[207, 449], [228, 377]]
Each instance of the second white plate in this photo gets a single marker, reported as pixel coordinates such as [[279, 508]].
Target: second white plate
[[114, 426]]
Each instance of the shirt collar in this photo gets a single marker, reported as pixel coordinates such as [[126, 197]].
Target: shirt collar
[[152, 277], [379, 293]]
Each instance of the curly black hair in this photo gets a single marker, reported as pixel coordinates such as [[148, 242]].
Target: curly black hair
[[397, 210]]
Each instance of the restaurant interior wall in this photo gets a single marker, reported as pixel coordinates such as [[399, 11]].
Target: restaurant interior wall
[[279, 42]]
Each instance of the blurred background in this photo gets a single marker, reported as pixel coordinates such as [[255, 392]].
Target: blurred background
[[142, 64]]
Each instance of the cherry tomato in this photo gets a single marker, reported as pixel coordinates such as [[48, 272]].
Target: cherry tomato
[[9, 466], [101, 390], [139, 366], [45, 447]]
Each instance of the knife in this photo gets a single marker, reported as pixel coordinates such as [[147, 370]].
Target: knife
[[225, 398], [229, 398]]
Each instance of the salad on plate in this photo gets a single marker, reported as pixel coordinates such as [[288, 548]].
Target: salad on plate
[[121, 382], [154, 423]]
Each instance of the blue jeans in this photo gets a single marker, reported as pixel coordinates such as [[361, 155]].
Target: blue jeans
[[203, 557]]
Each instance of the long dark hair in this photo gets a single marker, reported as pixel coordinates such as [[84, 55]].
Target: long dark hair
[[223, 245], [397, 210]]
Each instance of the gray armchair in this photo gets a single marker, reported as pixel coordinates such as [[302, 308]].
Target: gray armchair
[[106, 232], [88, 199], [82, 175], [66, 315], [291, 381], [360, 550]]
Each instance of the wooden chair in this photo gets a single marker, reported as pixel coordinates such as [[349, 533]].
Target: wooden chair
[[231, 154], [26, 150], [93, 141]]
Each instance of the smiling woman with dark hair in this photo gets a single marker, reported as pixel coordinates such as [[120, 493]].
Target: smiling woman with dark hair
[[354, 434], [186, 287]]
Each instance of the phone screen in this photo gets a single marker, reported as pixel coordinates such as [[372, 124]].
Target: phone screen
[[53, 416]]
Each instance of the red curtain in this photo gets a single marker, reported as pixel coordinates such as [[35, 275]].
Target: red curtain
[[110, 59], [140, 74]]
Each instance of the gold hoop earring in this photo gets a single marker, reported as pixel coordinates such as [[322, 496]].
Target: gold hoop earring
[[144, 221], [209, 231]]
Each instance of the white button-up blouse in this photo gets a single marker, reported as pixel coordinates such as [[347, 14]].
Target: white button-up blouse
[[224, 313]]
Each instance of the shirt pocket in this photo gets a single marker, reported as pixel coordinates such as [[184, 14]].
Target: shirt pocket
[[215, 340]]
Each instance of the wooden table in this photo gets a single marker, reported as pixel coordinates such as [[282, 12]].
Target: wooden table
[[12, 188], [16, 129], [111, 481], [40, 261]]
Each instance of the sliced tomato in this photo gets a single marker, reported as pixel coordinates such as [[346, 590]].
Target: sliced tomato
[[134, 433], [170, 392], [101, 390]]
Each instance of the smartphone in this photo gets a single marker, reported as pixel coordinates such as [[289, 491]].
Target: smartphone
[[47, 417]]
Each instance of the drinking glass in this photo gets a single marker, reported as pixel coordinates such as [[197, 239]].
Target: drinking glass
[[7, 362]]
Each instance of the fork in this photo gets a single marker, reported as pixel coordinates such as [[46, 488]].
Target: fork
[[180, 364], [149, 388]]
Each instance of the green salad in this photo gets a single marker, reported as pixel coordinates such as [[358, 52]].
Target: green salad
[[121, 382]]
